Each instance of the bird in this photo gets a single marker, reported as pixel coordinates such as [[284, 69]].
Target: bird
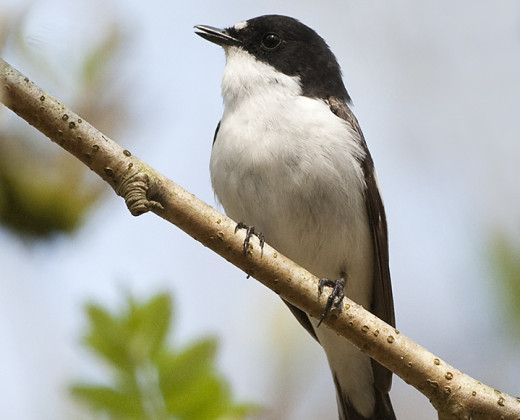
[[289, 160]]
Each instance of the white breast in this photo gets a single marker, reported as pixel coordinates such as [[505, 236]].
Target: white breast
[[288, 166]]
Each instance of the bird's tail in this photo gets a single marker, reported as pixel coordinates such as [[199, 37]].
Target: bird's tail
[[383, 409]]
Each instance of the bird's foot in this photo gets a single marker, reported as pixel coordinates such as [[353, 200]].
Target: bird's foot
[[250, 232], [336, 296]]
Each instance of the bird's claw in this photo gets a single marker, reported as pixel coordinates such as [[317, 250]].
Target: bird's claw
[[250, 231], [336, 296]]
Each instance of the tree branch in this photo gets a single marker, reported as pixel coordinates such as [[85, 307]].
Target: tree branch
[[454, 394]]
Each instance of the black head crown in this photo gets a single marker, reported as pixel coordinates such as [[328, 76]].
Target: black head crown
[[289, 46]]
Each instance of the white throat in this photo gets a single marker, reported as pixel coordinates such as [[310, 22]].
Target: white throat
[[245, 77]]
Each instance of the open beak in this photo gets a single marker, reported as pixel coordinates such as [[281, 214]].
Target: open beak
[[216, 35]]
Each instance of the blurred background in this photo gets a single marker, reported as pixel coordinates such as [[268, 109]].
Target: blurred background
[[435, 87]]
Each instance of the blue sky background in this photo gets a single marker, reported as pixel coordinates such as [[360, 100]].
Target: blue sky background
[[435, 87]]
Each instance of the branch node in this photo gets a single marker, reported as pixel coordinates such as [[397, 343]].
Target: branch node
[[134, 190]]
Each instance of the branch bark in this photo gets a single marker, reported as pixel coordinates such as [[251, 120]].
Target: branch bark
[[453, 394]]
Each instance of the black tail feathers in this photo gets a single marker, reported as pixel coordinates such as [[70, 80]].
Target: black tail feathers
[[383, 407]]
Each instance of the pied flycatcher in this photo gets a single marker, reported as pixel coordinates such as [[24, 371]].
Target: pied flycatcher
[[290, 159]]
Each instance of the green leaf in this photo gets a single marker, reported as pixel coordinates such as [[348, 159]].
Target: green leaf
[[207, 397], [39, 196], [108, 400], [108, 338], [178, 371], [204, 398], [193, 389], [506, 259], [152, 381], [130, 339], [148, 325]]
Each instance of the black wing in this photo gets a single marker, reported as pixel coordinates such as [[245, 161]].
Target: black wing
[[216, 132], [382, 301]]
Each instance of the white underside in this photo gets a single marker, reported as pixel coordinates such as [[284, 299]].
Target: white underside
[[286, 165]]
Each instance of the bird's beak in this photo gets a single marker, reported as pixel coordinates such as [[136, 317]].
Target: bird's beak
[[217, 36]]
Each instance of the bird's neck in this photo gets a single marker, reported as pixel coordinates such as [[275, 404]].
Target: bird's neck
[[247, 78]]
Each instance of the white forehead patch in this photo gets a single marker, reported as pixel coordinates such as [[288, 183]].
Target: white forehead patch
[[241, 25]]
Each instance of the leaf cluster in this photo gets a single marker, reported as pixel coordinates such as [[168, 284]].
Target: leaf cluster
[[46, 192], [149, 379]]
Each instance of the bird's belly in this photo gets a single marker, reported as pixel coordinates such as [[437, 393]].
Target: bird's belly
[[305, 209]]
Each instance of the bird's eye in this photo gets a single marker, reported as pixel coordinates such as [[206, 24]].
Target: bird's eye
[[271, 41]]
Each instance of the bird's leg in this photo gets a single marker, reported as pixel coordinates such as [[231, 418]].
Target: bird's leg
[[250, 231], [336, 296]]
